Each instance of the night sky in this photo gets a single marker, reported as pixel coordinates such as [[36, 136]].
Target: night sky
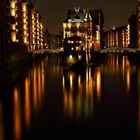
[[54, 12]]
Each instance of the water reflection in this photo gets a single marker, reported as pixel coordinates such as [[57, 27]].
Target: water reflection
[[83, 91], [37, 83], [1, 123], [27, 103], [79, 91], [98, 83], [108, 95], [17, 114], [119, 67], [34, 89], [128, 79], [139, 101], [33, 95]]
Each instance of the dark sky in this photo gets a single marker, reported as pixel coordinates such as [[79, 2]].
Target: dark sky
[[54, 12]]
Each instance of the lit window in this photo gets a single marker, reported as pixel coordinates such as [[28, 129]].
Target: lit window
[[24, 7], [24, 26], [25, 40], [13, 36], [24, 20], [13, 12], [13, 27], [77, 48], [24, 15], [25, 32], [12, 4]]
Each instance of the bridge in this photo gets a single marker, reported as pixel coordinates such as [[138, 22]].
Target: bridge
[[118, 50]]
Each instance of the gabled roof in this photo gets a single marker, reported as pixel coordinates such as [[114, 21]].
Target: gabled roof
[[78, 14]]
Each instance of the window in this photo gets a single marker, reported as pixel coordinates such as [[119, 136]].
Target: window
[[13, 36]]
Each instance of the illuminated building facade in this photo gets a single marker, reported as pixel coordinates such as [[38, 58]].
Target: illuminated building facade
[[119, 37], [21, 29], [41, 27], [25, 35], [79, 23], [87, 24], [138, 23], [31, 26], [35, 29], [97, 28], [11, 27], [15, 20], [38, 32]]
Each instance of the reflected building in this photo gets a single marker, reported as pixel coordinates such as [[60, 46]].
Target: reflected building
[[119, 66], [17, 114], [81, 92], [25, 108], [37, 88], [27, 103]]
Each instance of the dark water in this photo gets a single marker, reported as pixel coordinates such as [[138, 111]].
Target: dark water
[[41, 101]]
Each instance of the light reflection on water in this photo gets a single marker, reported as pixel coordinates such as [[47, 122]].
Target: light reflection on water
[[33, 97], [79, 92], [27, 103], [105, 92], [17, 114]]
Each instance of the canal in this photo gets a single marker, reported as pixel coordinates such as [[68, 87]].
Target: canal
[[41, 100]]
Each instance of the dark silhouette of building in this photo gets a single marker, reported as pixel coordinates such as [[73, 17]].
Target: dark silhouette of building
[[72, 45], [133, 31], [46, 38], [53, 41], [138, 23], [97, 27]]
